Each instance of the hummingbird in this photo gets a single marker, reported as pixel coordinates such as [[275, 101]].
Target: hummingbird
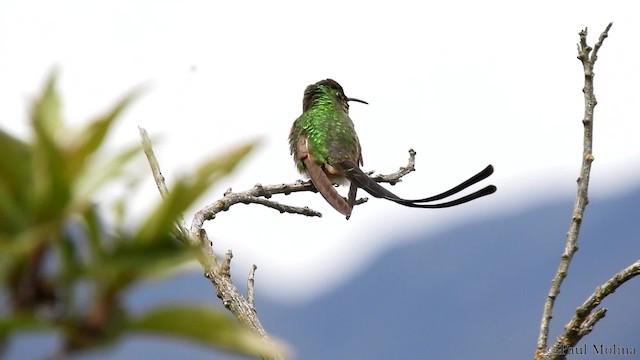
[[325, 147]]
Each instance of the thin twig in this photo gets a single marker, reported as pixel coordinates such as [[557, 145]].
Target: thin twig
[[395, 177], [582, 199], [250, 287], [160, 181], [590, 321], [585, 318]]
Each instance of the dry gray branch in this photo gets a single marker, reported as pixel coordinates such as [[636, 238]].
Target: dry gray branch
[[588, 57], [250, 287], [395, 177], [159, 178], [218, 274], [585, 317], [260, 194]]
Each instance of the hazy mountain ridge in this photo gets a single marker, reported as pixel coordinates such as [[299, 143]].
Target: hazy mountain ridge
[[474, 292]]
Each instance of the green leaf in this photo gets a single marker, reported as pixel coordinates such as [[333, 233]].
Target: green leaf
[[66, 274], [13, 215], [15, 167], [128, 261], [68, 249], [17, 323], [52, 188], [100, 172], [15, 181], [23, 243], [46, 111], [205, 326], [188, 189], [87, 141], [94, 233]]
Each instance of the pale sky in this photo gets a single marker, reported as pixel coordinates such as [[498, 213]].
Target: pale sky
[[464, 83]]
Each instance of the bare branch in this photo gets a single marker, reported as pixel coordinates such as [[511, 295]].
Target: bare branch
[[250, 287], [260, 194], [218, 274], [582, 199], [585, 318], [591, 321], [395, 177], [604, 35], [159, 179], [257, 195]]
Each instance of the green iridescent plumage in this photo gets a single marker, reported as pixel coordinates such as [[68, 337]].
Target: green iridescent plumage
[[326, 123], [325, 147]]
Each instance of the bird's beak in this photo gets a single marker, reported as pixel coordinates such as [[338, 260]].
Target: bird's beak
[[357, 100]]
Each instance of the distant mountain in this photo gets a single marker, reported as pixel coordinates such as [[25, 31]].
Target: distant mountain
[[475, 292]]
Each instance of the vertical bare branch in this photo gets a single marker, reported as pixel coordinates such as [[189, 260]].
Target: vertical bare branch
[[250, 287], [218, 274], [588, 57], [159, 179]]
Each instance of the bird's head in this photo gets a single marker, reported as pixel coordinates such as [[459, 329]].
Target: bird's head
[[324, 90]]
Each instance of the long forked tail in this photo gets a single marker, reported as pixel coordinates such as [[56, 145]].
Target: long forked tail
[[355, 174]]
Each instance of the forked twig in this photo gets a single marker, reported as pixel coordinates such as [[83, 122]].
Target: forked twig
[[585, 318]]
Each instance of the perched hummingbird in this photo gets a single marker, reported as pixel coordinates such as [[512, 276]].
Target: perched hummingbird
[[326, 148]]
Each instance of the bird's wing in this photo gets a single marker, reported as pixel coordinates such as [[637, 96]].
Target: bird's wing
[[320, 179]]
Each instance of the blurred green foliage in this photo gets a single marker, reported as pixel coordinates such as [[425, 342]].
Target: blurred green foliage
[[53, 240]]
